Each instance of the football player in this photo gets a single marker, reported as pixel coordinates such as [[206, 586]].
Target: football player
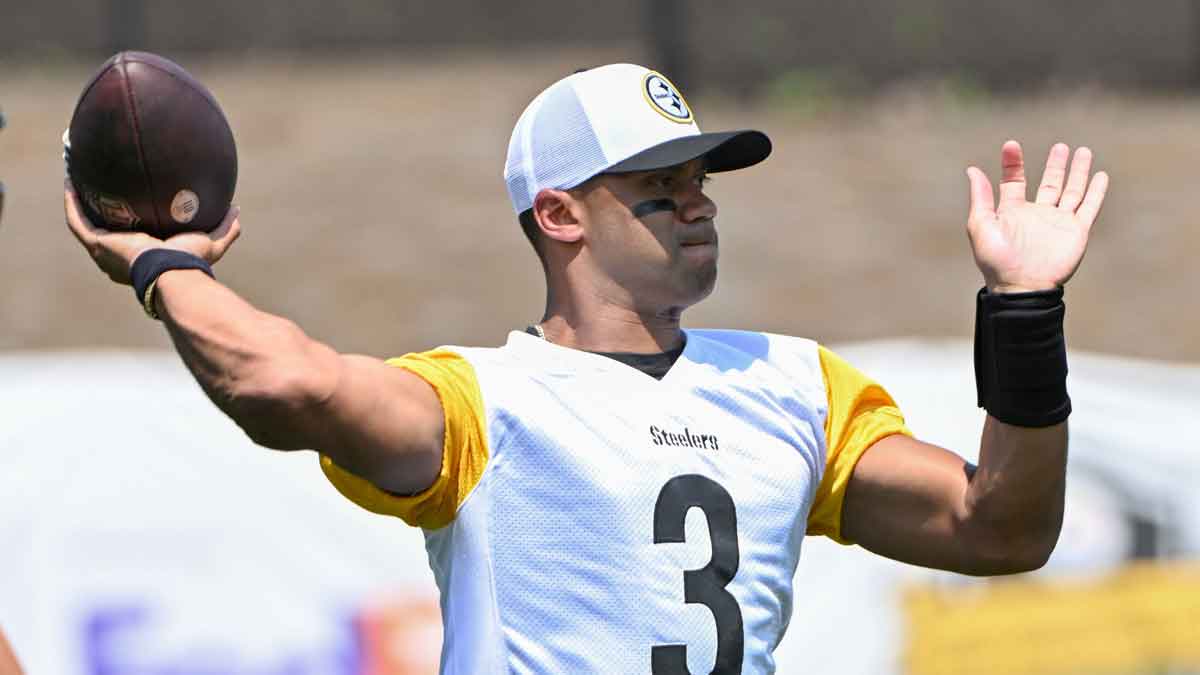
[[610, 492]]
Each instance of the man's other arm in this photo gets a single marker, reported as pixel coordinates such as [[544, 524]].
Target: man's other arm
[[921, 504]]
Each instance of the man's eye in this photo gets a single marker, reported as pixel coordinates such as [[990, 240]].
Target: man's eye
[[669, 182]]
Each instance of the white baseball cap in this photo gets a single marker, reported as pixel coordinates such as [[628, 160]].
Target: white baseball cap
[[612, 119]]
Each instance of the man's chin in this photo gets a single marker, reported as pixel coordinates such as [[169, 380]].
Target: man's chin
[[701, 284]]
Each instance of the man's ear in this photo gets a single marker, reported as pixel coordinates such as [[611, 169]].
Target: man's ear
[[557, 213]]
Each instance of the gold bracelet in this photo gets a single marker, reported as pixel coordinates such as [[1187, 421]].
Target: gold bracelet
[[148, 301]]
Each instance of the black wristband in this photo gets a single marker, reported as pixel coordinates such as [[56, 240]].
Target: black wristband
[[150, 264], [1021, 357]]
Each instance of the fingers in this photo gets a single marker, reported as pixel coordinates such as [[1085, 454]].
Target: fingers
[[1051, 187], [77, 222], [227, 223], [1012, 177], [983, 202], [226, 233], [1094, 199], [1081, 166]]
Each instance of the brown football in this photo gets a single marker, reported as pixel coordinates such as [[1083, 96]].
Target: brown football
[[149, 149]]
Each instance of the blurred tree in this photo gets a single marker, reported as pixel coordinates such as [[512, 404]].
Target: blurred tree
[[668, 38]]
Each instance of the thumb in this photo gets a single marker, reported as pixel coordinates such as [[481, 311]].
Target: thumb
[[983, 201], [226, 233]]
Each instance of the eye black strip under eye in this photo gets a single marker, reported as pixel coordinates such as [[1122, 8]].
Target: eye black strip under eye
[[654, 206]]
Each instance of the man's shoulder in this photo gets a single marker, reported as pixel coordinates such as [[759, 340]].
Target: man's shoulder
[[767, 356], [520, 355], [755, 344]]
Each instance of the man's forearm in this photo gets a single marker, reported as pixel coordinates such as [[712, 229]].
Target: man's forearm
[[1016, 493], [259, 369]]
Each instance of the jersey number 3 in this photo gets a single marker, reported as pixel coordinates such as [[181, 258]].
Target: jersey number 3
[[706, 585]]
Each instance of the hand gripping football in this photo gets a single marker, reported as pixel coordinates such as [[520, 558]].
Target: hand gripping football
[[149, 149]]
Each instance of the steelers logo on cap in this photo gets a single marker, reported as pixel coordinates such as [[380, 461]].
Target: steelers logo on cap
[[665, 98]]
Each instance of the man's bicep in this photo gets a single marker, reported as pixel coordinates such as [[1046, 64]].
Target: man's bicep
[[860, 413], [389, 426], [905, 501], [426, 440]]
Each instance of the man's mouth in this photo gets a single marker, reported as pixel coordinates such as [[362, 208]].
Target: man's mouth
[[699, 239], [705, 248]]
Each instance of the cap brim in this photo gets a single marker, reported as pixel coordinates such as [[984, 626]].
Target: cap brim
[[722, 151]]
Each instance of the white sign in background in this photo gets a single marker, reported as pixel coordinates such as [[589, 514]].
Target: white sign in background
[[142, 532]]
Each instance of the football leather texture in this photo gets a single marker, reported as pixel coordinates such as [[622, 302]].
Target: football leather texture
[[149, 149]]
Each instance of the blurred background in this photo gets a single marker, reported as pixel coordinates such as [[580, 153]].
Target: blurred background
[[371, 139]]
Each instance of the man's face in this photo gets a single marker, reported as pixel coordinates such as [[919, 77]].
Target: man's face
[[653, 233]]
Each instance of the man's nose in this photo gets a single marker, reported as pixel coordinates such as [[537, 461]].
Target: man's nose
[[695, 205]]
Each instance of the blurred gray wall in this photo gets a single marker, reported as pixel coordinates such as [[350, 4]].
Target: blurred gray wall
[[998, 44], [850, 44]]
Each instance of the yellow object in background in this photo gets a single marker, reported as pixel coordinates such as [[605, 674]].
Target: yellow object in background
[[1142, 618]]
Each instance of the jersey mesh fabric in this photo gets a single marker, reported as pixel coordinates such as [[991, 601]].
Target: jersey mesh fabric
[[554, 561], [587, 589]]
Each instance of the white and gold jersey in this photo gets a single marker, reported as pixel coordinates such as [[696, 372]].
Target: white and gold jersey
[[592, 519]]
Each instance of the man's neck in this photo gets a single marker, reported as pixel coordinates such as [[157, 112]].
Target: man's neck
[[614, 329]]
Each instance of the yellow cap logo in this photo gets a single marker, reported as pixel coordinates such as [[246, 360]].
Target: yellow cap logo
[[665, 98]]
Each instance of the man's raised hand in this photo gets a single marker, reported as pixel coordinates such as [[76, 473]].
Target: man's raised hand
[[1021, 245]]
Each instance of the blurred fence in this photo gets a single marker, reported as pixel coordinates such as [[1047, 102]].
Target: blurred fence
[[799, 45]]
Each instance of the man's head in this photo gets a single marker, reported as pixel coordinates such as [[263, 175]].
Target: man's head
[[605, 171], [645, 238]]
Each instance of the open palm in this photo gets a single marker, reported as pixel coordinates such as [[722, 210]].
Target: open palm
[[1021, 245]]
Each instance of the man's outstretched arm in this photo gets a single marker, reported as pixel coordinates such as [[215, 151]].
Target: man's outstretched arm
[[286, 390], [922, 504]]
